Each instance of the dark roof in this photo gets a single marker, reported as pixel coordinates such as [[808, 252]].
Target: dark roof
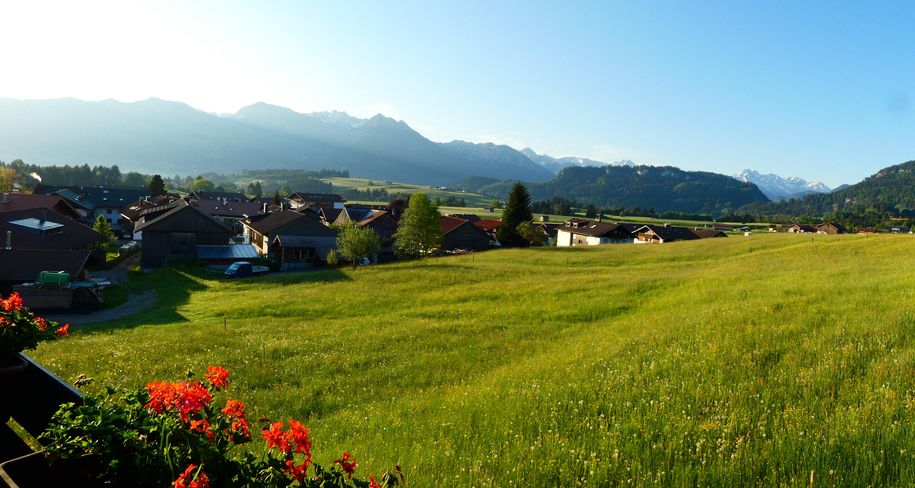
[[706, 233], [838, 227], [60, 232], [316, 197], [670, 233], [226, 251], [469, 217], [276, 220], [450, 223], [594, 228], [19, 265], [179, 206], [21, 201], [231, 196], [91, 197], [146, 206], [239, 209], [330, 214]]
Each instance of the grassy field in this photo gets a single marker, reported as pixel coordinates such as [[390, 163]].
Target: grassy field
[[770, 360]]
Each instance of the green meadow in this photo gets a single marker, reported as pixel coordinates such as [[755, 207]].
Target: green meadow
[[776, 360]]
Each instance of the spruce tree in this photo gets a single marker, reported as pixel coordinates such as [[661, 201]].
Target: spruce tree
[[156, 186], [516, 212]]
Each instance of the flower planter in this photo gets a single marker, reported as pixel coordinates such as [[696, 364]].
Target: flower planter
[[34, 471], [30, 394]]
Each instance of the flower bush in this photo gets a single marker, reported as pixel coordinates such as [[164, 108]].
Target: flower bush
[[20, 329], [177, 434]]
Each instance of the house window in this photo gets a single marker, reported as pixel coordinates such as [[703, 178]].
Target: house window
[[303, 254]]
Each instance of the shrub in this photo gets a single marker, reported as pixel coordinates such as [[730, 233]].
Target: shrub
[[175, 434], [21, 330]]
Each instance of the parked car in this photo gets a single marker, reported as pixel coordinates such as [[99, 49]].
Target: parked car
[[243, 269]]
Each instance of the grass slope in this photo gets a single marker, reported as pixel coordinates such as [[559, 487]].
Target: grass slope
[[774, 360]]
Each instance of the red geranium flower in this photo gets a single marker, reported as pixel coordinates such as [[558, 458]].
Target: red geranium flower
[[276, 437], [203, 427], [12, 303], [184, 397], [349, 467], [296, 472], [217, 376], [373, 483], [299, 436], [188, 480], [64, 330]]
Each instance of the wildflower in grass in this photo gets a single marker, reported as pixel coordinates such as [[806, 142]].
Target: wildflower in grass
[[349, 467], [296, 471], [12, 303], [217, 376], [63, 331]]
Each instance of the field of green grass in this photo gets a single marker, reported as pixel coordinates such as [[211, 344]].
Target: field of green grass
[[784, 360], [472, 199]]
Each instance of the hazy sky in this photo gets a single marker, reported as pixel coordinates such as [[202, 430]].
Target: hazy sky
[[818, 90]]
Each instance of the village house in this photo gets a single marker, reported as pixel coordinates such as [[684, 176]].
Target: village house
[[385, 226], [45, 229], [261, 231], [659, 234], [92, 201], [303, 199], [225, 196], [585, 232], [22, 201], [800, 229], [174, 232], [830, 228], [461, 234], [230, 213]]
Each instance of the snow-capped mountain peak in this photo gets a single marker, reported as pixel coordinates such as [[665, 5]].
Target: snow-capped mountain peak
[[780, 188], [558, 164]]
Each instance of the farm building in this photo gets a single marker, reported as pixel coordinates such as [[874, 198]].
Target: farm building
[[385, 226], [800, 228], [24, 265], [830, 228], [229, 212], [584, 232], [659, 234], [175, 233], [708, 233], [462, 234]]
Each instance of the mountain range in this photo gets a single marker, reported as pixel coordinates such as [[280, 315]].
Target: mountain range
[[558, 164], [779, 188], [172, 137], [890, 191]]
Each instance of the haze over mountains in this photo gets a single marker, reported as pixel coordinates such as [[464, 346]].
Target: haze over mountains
[[172, 137]]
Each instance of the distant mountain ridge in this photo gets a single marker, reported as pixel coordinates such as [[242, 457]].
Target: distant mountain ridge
[[171, 137], [889, 191], [778, 188], [662, 188], [556, 165]]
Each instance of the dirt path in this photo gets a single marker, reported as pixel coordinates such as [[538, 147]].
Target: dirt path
[[135, 304]]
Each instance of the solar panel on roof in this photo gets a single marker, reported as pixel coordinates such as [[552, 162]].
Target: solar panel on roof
[[33, 223]]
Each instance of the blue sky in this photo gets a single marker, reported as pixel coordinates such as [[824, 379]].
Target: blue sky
[[821, 90]]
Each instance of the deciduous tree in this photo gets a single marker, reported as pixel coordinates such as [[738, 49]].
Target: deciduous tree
[[354, 243], [420, 229]]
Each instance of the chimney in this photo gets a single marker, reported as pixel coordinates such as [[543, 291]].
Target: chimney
[[265, 208], [9, 240]]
